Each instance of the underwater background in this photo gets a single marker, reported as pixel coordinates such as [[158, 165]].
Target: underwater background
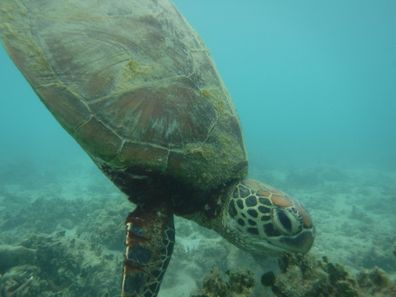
[[314, 83]]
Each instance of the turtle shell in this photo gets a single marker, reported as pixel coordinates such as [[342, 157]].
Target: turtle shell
[[133, 83]]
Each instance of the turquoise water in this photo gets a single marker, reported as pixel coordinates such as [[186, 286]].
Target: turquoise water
[[314, 83]]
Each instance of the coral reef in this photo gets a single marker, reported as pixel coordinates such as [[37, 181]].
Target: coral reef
[[311, 277], [56, 264], [233, 284], [15, 282], [300, 276], [58, 247], [65, 239]]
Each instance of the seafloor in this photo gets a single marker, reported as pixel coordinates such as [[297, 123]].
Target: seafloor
[[61, 234]]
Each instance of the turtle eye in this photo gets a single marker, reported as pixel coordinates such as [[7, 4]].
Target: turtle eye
[[284, 220], [287, 220]]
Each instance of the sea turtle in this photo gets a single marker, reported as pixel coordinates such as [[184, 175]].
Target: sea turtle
[[133, 83]]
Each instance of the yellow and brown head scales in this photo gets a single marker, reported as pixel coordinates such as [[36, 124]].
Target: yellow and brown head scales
[[261, 219]]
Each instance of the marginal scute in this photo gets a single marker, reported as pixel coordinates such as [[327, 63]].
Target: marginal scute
[[151, 21], [152, 290], [67, 107], [142, 155], [236, 129], [190, 169], [98, 140]]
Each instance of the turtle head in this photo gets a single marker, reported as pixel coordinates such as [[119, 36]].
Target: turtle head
[[261, 219]]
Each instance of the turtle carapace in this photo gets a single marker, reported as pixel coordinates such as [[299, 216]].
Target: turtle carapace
[[135, 86]]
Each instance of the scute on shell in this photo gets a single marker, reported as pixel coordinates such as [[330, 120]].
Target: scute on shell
[[132, 82]]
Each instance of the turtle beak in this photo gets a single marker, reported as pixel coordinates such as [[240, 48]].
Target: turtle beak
[[301, 243], [300, 235]]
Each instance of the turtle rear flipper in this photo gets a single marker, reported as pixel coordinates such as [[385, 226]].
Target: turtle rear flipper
[[150, 236]]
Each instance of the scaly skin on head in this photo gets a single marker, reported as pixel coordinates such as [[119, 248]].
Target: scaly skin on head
[[261, 220]]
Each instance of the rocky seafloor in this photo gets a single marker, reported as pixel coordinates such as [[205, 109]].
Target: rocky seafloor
[[61, 234]]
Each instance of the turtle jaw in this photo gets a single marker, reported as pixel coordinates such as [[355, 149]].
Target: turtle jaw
[[262, 220], [300, 243]]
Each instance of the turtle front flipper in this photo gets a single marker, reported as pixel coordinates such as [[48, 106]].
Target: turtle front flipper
[[150, 236]]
